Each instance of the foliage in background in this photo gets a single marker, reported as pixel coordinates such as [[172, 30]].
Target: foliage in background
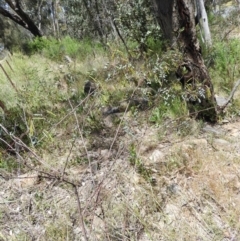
[[225, 69], [137, 23], [57, 49], [104, 20]]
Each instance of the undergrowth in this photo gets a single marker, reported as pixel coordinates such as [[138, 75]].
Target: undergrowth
[[47, 89], [57, 49], [69, 135], [225, 68]]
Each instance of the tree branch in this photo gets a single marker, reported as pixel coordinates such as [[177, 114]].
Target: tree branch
[[13, 17], [20, 17], [221, 108]]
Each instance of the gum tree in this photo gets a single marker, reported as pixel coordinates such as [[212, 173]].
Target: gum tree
[[177, 21]]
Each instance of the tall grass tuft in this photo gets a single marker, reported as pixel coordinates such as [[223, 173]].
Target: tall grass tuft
[[56, 49]]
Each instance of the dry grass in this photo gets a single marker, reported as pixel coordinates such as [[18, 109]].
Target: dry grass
[[196, 197], [182, 183]]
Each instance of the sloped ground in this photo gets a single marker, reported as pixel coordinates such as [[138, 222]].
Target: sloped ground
[[140, 183], [134, 181]]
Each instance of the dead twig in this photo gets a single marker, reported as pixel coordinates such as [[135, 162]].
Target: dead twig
[[84, 144], [80, 214], [65, 166], [221, 108]]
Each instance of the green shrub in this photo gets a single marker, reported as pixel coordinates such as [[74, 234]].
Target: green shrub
[[226, 63], [155, 45], [38, 44], [171, 106]]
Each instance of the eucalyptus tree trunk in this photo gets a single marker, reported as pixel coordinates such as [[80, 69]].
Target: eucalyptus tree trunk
[[55, 6], [164, 11], [203, 21], [177, 21], [39, 14]]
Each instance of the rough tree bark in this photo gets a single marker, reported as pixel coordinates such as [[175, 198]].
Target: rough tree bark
[[163, 11], [20, 17], [177, 21]]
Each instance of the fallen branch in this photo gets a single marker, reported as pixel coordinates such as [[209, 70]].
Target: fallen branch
[[222, 107], [80, 214]]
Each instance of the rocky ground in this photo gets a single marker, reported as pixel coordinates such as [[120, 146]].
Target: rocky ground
[[140, 182]]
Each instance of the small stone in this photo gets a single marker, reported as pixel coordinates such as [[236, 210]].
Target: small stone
[[222, 144], [156, 156], [212, 130], [225, 121], [108, 122], [220, 100], [106, 154]]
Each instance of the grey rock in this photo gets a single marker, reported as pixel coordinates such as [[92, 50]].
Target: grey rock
[[222, 144], [220, 100], [156, 156], [212, 130]]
